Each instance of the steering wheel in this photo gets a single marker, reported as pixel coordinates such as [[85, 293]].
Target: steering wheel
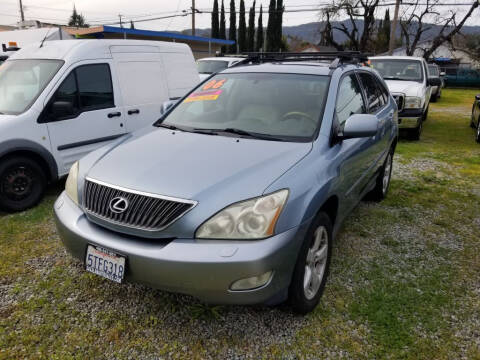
[[295, 114]]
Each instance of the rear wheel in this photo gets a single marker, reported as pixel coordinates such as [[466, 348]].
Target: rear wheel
[[414, 134], [472, 123], [311, 270], [22, 183], [425, 114], [435, 97], [477, 133], [383, 180]]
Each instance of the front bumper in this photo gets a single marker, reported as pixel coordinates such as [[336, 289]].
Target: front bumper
[[409, 118], [201, 268]]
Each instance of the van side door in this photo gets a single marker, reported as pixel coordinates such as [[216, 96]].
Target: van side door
[[143, 84], [83, 112]]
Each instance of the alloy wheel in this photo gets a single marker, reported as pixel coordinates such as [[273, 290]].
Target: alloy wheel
[[387, 171], [316, 263]]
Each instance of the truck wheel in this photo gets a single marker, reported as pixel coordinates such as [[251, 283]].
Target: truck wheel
[[477, 135], [434, 98], [311, 270], [425, 114], [380, 190], [414, 134], [22, 183]]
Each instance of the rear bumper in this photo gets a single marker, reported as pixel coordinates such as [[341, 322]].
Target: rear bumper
[[201, 268]]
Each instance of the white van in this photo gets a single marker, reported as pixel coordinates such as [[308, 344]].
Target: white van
[[61, 100]]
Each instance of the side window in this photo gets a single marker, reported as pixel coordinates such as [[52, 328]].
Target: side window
[[349, 99], [383, 91], [86, 88], [374, 95], [95, 86]]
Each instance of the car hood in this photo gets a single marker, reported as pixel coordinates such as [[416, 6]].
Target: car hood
[[409, 88], [196, 166]]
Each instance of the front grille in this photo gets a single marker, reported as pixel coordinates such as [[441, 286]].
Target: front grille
[[143, 211], [400, 100]]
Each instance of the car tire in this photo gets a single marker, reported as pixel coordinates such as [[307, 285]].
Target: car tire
[[311, 269], [22, 183], [434, 98], [472, 123], [477, 132], [425, 114], [382, 185]]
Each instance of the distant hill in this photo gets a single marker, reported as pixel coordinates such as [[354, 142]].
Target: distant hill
[[311, 31]]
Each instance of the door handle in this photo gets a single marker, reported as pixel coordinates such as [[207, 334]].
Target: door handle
[[133, 111], [114, 114]]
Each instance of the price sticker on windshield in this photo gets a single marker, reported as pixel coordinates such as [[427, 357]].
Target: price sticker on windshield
[[214, 84], [204, 96]]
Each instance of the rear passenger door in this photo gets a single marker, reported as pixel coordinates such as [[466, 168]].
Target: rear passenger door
[[377, 101], [90, 113]]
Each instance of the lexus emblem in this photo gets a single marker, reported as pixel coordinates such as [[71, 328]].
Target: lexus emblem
[[118, 204]]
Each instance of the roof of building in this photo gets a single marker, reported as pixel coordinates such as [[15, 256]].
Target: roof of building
[[99, 31]]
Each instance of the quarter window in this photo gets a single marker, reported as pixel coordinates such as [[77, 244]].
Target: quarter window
[[87, 88], [349, 99], [374, 95]]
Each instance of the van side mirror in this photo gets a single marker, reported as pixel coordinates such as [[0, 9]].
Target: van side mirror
[[167, 105], [477, 97], [61, 109], [359, 126], [434, 81]]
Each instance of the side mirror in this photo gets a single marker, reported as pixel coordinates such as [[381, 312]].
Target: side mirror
[[442, 73], [359, 126], [434, 81], [61, 109], [477, 97], [167, 105]]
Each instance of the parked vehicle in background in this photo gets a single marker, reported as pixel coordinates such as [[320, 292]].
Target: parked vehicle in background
[[462, 77], [237, 194], [408, 81], [211, 65], [434, 72], [3, 58], [63, 99], [475, 120]]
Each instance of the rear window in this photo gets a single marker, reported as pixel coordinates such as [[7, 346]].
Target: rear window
[[211, 66]]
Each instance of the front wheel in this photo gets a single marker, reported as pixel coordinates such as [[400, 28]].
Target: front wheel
[[22, 183], [311, 270], [415, 134]]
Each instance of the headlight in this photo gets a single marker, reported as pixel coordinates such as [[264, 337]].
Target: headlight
[[413, 102], [71, 186], [250, 219]]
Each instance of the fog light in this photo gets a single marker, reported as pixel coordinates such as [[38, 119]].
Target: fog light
[[251, 282]]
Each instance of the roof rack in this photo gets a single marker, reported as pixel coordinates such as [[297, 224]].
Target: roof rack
[[336, 58]]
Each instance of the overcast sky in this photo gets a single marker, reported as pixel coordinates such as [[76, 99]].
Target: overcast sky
[[107, 11]]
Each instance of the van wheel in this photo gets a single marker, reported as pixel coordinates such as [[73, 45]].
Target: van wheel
[[380, 190], [311, 270], [414, 134], [22, 183]]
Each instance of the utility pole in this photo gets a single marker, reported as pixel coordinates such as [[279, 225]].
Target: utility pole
[[393, 29], [120, 17], [193, 17], [22, 16]]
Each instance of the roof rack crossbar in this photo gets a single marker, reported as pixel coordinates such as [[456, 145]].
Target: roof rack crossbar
[[336, 58]]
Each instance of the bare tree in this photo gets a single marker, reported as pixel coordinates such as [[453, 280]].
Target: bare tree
[[414, 25], [354, 10]]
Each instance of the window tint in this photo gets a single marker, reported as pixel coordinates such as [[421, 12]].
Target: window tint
[[374, 95], [95, 86], [349, 99]]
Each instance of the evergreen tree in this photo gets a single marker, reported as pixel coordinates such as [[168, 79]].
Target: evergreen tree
[[380, 44], [232, 31], [242, 29], [259, 44], [131, 25], [251, 29], [279, 43], [77, 20], [223, 31], [215, 28], [271, 27]]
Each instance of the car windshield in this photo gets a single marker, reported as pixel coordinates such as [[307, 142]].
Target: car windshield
[[271, 106], [433, 70], [408, 70], [22, 81], [211, 66]]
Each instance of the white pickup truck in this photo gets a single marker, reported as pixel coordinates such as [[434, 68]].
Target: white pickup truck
[[408, 80]]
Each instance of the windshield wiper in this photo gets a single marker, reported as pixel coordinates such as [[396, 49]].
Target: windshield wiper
[[170, 127], [242, 133]]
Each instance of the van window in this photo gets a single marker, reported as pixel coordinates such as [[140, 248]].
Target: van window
[[86, 88], [95, 86]]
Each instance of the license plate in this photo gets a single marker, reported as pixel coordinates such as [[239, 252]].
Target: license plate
[[105, 263]]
